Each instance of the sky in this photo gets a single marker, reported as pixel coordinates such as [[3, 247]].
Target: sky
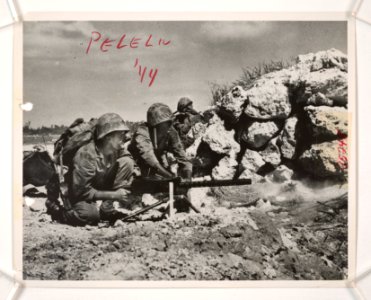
[[65, 81]]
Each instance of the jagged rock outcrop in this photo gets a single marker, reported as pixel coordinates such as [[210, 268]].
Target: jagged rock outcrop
[[295, 116], [331, 58]]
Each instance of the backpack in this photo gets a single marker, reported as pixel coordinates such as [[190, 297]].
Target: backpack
[[78, 134], [38, 167]]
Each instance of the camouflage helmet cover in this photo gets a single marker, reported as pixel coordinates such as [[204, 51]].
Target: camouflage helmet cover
[[183, 103], [108, 123], [158, 113]]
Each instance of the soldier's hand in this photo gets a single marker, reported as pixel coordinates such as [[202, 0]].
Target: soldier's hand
[[122, 195], [163, 172]]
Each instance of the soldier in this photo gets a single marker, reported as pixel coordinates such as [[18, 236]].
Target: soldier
[[152, 141], [185, 118], [98, 172]]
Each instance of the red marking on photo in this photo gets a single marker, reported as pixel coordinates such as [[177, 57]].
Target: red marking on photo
[[342, 150]]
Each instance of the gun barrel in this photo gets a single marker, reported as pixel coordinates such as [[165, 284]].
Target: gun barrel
[[214, 183], [150, 186]]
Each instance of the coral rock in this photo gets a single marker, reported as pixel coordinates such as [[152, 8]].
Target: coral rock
[[287, 140], [328, 123], [326, 87], [221, 140], [326, 159], [233, 101], [259, 133], [271, 154], [226, 168], [268, 99]]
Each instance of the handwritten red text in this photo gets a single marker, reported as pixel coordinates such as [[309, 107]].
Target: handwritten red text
[[342, 150], [142, 70], [104, 44]]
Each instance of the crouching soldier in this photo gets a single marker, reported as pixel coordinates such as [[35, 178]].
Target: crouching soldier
[[153, 140], [185, 118], [98, 172]]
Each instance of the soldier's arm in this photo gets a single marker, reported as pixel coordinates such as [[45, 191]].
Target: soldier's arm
[[118, 195], [182, 124], [146, 151], [84, 171], [177, 149]]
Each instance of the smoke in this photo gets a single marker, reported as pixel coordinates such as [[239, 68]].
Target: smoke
[[289, 193], [305, 190]]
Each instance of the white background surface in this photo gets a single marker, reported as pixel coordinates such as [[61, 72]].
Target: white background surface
[[364, 144]]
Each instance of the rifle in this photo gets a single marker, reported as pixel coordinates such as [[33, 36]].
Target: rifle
[[174, 186], [63, 185]]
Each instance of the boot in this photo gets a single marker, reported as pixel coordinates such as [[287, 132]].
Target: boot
[[54, 209]]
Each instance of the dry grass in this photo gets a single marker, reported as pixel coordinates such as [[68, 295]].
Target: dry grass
[[247, 78]]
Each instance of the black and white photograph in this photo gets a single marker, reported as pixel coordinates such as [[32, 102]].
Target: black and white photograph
[[186, 151]]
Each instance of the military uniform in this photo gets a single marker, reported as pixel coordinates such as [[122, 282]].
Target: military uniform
[[185, 119], [91, 172], [148, 158], [183, 123]]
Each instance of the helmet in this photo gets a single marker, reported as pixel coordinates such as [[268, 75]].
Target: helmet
[[183, 103], [158, 113], [108, 123]]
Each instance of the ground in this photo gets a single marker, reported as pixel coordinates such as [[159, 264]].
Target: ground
[[292, 233]]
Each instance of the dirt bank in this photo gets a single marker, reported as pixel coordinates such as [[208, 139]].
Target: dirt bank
[[273, 238]]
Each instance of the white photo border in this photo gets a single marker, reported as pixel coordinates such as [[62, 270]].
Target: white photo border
[[174, 16]]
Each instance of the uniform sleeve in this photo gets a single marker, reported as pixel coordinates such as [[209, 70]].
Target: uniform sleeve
[[176, 147], [182, 124], [84, 170], [145, 149]]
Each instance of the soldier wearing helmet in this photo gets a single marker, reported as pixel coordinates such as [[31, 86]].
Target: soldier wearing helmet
[[185, 117], [153, 140], [99, 171]]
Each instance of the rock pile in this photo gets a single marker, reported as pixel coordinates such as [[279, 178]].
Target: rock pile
[[294, 118]]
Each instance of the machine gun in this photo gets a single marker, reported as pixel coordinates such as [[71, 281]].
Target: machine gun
[[173, 187]]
